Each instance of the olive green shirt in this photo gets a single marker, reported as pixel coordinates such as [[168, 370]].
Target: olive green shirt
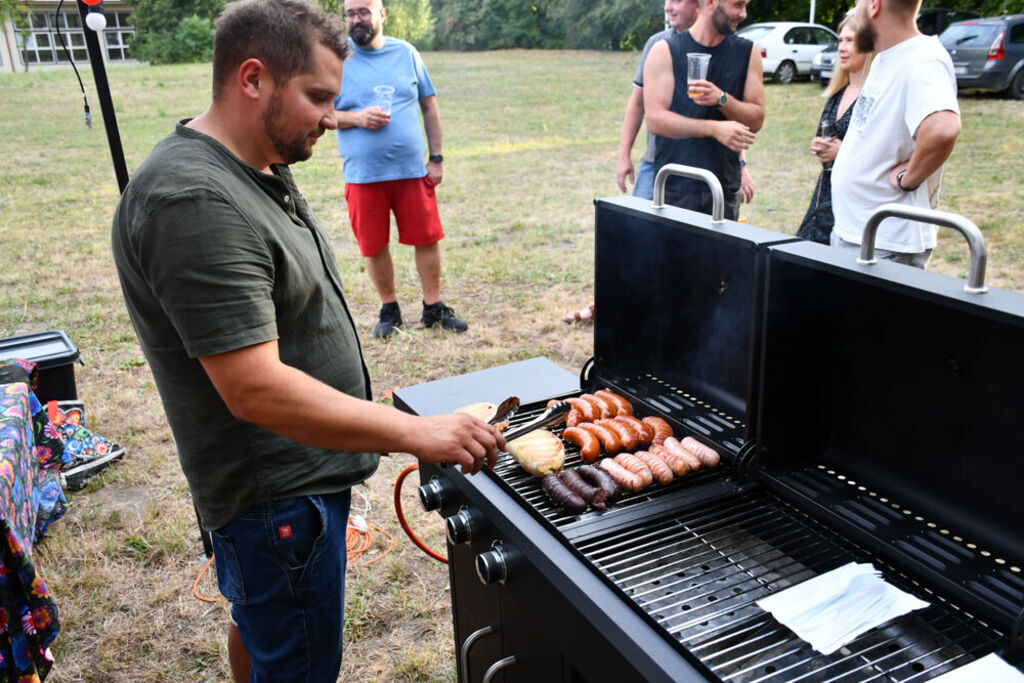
[[213, 256]]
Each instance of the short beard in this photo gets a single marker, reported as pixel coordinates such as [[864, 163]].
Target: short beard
[[290, 151], [865, 37], [363, 36], [720, 20]]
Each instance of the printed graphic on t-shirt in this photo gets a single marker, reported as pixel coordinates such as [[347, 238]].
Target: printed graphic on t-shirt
[[862, 112]]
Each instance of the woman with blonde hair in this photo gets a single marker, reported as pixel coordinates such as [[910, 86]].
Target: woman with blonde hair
[[850, 71]]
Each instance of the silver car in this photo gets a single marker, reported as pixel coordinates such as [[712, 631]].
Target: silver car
[[788, 47]]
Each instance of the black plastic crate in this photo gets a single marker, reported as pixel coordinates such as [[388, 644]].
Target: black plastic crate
[[54, 354]]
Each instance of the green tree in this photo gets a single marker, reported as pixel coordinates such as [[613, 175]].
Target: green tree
[[611, 25], [411, 20], [173, 31]]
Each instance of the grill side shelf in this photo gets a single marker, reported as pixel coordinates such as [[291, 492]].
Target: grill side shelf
[[985, 583]]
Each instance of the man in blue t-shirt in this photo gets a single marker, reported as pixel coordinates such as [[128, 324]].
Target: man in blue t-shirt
[[384, 170]]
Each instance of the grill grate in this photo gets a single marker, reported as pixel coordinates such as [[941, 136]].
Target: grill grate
[[698, 574], [528, 488]]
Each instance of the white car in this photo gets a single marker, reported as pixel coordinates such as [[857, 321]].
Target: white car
[[788, 47]]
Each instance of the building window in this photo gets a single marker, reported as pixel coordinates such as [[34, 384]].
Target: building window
[[41, 45], [118, 35]]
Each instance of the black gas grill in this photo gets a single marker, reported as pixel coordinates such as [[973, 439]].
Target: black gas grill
[[864, 413]]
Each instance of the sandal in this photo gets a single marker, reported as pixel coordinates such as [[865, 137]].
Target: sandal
[[580, 316]]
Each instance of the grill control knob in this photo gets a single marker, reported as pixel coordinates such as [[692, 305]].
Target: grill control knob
[[492, 566], [432, 495], [460, 527]]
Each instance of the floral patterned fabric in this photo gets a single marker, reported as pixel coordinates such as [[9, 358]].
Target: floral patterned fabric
[[28, 614]]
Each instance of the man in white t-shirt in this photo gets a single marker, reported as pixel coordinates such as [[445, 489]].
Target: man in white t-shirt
[[903, 129]]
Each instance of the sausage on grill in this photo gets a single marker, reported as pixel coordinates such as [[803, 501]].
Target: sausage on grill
[[644, 431], [637, 467], [573, 418], [587, 410], [609, 440], [627, 435], [662, 429], [590, 447], [562, 495], [603, 405], [672, 444], [622, 406], [679, 465], [601, 478], [594, 495], [708, 456], [623, 477], [658, 467]]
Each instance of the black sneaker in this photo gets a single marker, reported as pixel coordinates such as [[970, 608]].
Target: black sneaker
[[439, 314], [389, 318]]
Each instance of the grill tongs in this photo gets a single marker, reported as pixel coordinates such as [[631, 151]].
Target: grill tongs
[[552, 415]]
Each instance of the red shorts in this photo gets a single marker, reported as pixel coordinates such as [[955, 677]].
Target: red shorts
[[415, 205]]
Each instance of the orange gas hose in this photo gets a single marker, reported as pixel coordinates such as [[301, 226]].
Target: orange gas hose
[[401, 516]]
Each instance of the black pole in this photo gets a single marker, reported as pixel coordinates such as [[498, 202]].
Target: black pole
[[99, 74]]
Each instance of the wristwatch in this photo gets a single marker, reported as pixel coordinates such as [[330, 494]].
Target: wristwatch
[[899, 182], [436, 158], [721, 99]]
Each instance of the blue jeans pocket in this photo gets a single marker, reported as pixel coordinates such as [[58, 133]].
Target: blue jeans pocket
[[297, 525], [229, 573]]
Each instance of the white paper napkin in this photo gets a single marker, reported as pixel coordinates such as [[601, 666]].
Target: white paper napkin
[[832, 609], [991, 669]]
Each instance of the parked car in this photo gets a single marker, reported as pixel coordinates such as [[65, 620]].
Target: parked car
[[787, 47], [988, 54], [934, 20], [930, 21]]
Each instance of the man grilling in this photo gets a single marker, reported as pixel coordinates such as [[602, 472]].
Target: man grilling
[[231, 284], [708, 122]]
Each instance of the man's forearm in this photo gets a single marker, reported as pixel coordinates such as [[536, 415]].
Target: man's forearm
[[632, 122], [347, 119], [432, 124], [750, 114], [936, 137], [669, 124]]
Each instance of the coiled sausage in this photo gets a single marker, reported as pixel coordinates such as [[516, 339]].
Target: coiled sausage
[[601, 478], [662, 429], [594, 495], [609, 440], [562, 495], [590, 447], [627, 435], [622, 406], [708, 456], [603, 405], [623, 477], [637, 467], [587, 410], [644, 431], [658, 467]]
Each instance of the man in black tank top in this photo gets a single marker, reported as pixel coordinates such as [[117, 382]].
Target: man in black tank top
[[710, 127]]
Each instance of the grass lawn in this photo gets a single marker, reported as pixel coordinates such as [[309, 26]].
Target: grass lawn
[[530, 141]]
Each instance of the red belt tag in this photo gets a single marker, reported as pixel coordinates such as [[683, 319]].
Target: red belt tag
[[285, 532]]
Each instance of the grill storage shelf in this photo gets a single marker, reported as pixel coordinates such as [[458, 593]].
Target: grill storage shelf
[[826, 460]]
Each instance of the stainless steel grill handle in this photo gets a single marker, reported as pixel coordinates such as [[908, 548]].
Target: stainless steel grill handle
[[717, 196], [464, 650], [966, 227], [498, 666]]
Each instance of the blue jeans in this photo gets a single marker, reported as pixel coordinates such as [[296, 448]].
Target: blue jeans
[[281, 565], [644, 186], [915, 259]]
